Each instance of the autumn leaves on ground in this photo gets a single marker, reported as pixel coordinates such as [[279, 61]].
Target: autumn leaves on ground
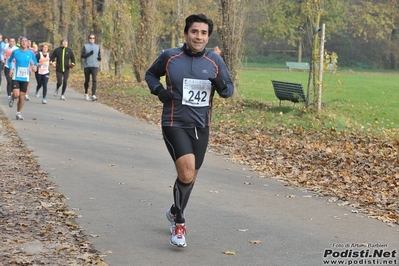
[[36, 227]]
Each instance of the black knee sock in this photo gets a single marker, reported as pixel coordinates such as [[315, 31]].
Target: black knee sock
[[181, 194]]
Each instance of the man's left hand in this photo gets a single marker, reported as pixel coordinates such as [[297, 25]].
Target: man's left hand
[[219, 83]]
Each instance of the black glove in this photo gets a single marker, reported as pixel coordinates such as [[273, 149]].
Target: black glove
[[218, 83], [164, 95]]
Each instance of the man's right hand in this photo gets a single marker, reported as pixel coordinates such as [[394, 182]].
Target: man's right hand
[[165, 96]]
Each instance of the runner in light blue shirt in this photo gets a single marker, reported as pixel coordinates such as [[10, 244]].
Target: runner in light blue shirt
[[21, 62]]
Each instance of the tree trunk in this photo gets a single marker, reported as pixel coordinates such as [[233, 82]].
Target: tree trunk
[[231, 33], [300, 51], [146, 40], [56, 20], [321, 68]]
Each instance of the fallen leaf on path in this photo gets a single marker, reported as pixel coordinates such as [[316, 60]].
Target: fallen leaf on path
[[228, 252]]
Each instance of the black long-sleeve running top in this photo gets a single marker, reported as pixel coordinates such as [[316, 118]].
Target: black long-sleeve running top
[[187, 79]]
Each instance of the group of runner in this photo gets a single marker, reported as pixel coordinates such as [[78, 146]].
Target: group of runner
[[18, 62], [20, 59]]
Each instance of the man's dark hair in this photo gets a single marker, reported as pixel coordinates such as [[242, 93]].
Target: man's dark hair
[[190, 20]]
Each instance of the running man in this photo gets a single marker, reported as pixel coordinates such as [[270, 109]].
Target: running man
[[62, 59], [21, 62], [91, 55], [193, 74]]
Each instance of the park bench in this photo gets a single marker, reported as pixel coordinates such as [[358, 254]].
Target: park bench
[[297, 65], [287, 91], [364, 64]]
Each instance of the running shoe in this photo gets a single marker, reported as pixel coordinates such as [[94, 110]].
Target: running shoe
[[87, 97], [37, 94], [171, 219], [19, 116], [62, 98], [8, 98], [44, 101], [178, 238], [94, 98], [56, 92], [27, 97], [11, 102]]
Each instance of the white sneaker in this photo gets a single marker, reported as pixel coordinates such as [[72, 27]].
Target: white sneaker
[[27, 98], [11, 102], [56, 92], [171, 219], [44, 101], [94, 98], [62, 98], [37, 94], [19, 116], [87, 97], [178, 238]]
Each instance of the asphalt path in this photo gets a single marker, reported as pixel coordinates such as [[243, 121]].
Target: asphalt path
[[117, 175]]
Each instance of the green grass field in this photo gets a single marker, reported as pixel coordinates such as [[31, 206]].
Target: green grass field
[[365, 99]]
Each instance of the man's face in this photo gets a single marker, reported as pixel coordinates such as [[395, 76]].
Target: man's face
[[197, 37], [11, 42], [92, 38], [65, 43], [24, 43]]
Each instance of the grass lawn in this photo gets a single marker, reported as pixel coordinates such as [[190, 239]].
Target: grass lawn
[[368, 100]]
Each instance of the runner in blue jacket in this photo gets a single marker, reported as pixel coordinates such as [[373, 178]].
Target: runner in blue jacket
[[193, 74]]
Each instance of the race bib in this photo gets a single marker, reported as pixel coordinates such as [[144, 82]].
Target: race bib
[[196, 92], [44, 65], [23, 72]]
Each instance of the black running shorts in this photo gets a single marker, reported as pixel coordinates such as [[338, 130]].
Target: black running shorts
[[182, 141], [21, 85]]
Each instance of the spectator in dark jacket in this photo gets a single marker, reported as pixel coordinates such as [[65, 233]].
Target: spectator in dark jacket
[[62, 59]]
